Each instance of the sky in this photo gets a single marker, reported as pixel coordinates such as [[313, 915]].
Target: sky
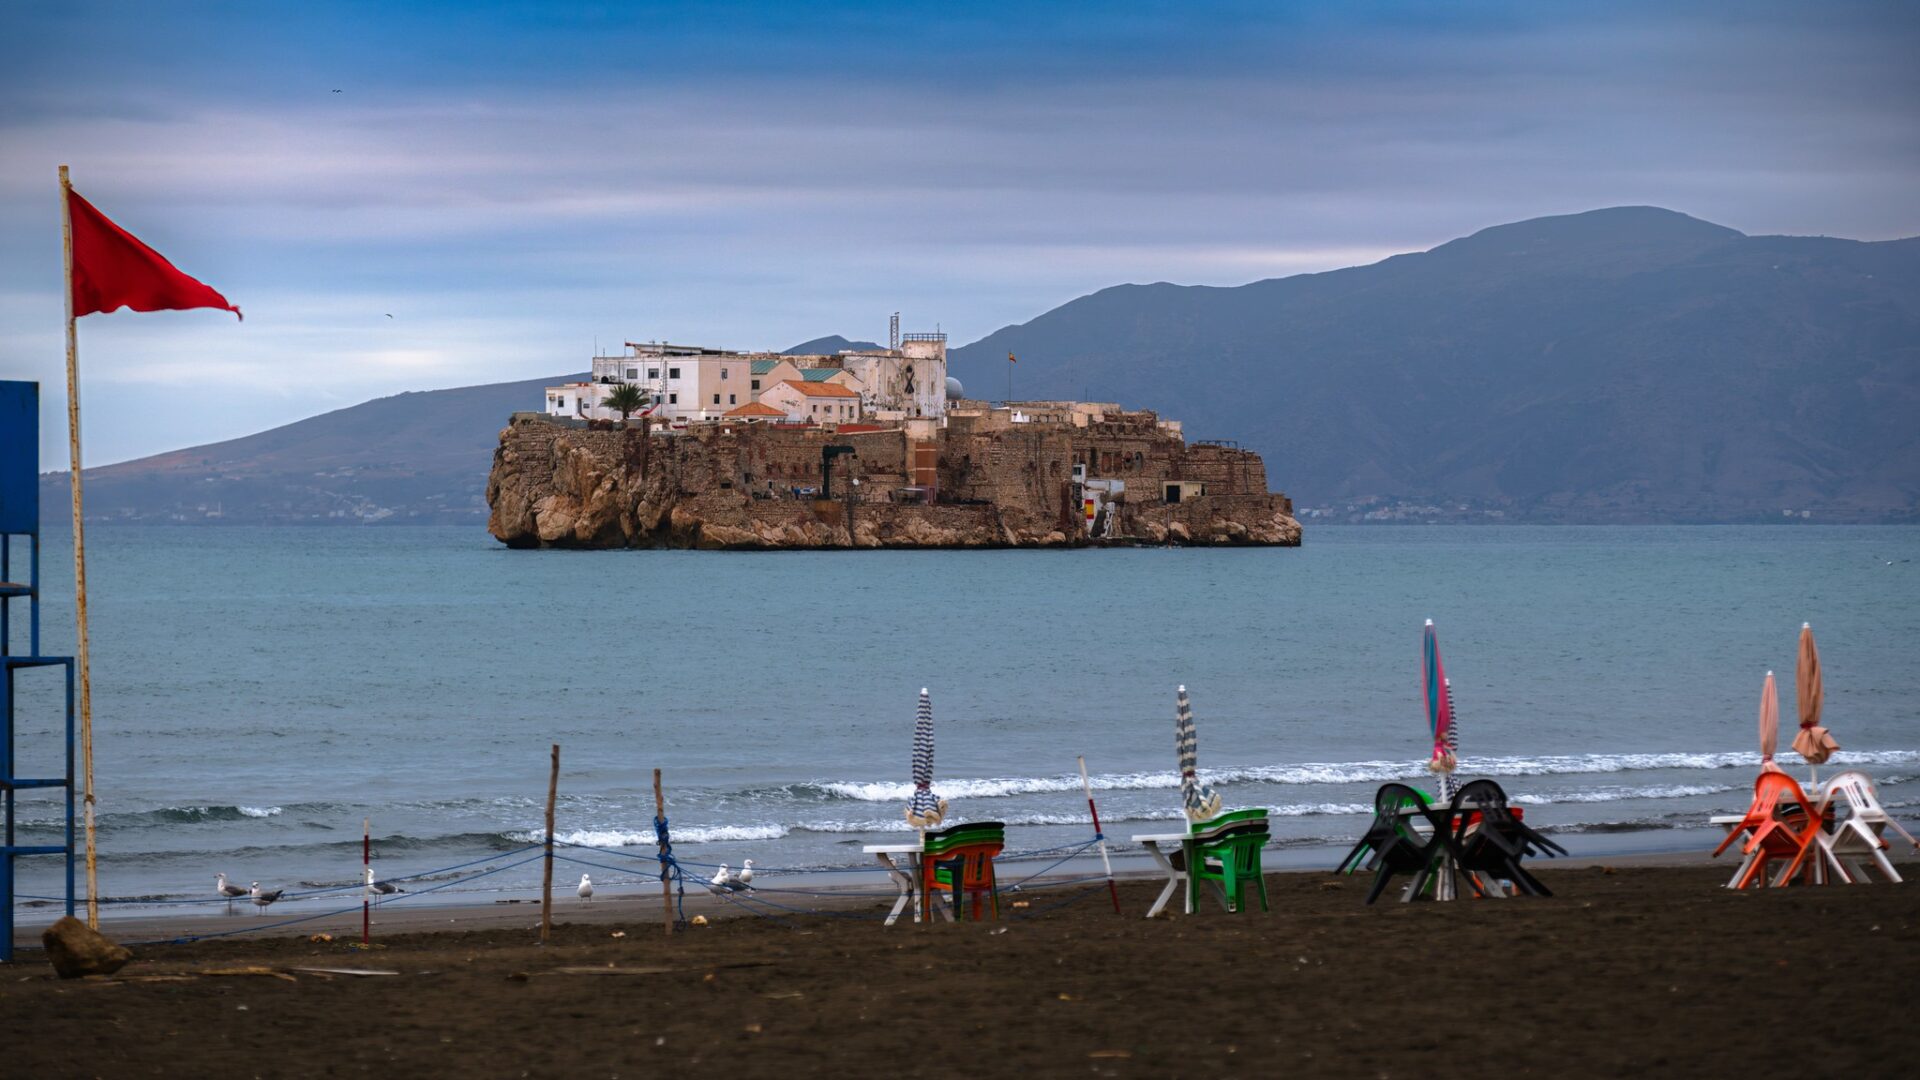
[[406, 197]]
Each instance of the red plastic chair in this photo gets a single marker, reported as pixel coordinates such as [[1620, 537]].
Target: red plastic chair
[[965, 871], [1773, 831]]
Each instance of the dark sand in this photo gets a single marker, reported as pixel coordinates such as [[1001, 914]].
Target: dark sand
[[1643, 970]]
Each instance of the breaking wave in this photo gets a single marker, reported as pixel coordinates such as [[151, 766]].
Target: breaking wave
[[1340, 772]]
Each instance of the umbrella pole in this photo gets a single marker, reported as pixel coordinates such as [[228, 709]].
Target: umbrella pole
[[1101, 837]]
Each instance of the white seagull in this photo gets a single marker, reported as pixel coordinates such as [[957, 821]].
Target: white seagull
[[231, 892], [586, 888], [262, 899], [381, 888], [745, 876], [724, 880]]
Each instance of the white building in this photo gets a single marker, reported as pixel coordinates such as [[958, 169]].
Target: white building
[[684, 382], [690, 383], [903, 383]]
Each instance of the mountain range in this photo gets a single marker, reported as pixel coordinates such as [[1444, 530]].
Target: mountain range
[[1624, 365]]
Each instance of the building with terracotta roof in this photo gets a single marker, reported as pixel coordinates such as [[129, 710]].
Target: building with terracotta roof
[[813, 402], [755, 412]]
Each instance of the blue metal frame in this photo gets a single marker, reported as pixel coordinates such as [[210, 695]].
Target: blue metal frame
[[20, 516]]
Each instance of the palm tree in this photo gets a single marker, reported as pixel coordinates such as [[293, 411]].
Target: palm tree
[[625, 399]]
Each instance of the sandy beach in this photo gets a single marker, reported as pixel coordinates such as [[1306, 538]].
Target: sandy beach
[[1631, 967]]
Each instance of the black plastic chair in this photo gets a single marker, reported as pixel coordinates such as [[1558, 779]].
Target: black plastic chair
[[1495, 841], [1395, 846]]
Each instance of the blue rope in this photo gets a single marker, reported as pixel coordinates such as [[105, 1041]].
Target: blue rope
[[669, 865], [1064, 858]]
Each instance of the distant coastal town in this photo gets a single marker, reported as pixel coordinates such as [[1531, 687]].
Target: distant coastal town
[[668, 445]]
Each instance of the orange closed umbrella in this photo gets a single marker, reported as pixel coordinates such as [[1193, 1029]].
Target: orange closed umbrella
[[1813, 742], [1769, 724]]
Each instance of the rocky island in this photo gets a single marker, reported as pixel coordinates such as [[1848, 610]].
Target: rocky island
[[857, 453]]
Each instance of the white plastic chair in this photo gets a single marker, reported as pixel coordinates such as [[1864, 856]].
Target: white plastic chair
[[1858, 837]]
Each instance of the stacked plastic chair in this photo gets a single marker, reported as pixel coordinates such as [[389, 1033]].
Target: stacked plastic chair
[[1392, 846], [1777, 827], [1859, 836], [1226, 852], [959, 862], [1490, 840]]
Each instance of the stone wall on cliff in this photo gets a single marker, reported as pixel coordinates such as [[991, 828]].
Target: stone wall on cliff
[[749, 487]]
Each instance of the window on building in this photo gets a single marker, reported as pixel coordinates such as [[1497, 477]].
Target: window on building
[[673, 373], [729, 399], [632, 374], [716, 399], [653, 373], [673, 399], [756, 384], [723, 374]]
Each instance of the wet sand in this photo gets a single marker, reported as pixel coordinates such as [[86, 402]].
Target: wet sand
[[1628, 969]]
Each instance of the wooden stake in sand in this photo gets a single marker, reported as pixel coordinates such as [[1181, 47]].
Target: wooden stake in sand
[[1101, 837], [659, 823], [546, 879], [366, 893]]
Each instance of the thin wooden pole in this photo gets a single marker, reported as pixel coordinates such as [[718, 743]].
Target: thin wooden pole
[[79, 549], [1087, 784], [666, 887], [546, 878], [366, 873]]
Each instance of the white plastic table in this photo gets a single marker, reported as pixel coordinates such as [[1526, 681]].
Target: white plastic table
[[902, 864], [1176, 878]]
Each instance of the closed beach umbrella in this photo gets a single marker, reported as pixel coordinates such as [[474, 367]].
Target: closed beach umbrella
[[1201, 802], [925, 808], [1813, 742], [1439, 713], [1769, 724]]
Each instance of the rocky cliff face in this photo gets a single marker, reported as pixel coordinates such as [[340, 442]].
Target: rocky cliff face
[[758, 487]]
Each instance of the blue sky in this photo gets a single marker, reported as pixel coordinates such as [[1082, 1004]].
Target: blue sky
[[514, 182]]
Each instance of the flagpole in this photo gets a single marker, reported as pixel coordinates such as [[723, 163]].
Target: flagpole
[[79, 547]]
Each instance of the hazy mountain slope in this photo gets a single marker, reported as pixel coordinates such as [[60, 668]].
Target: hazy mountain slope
[[827, 346], [1622, 364], [419, 457]]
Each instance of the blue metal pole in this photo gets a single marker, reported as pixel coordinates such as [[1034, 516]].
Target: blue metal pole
[[69, 666]]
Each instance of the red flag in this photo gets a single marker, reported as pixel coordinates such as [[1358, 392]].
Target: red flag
[[112, 269], [1011, 360]]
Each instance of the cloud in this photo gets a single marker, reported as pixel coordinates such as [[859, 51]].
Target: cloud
[[516, 186]]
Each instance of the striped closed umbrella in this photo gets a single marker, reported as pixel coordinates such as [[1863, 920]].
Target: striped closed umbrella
[[1813, 742], [1201, 802], [925, 809], [1439, 713]]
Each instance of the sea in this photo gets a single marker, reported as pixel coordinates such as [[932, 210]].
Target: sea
[[262, 694]]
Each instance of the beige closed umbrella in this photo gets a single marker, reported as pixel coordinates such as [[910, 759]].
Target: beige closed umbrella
[[1769, 724], [1815, 743]]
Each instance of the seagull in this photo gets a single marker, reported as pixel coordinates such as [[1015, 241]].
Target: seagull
[[388, 314], [231, 892], [262, 899], [745, 876], [724, 880], [586, 888], [383, 888]]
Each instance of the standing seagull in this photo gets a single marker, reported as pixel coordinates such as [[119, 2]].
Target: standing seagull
[[381, 888], [262, 899], [231, 892], [745, 876], [586, 888]]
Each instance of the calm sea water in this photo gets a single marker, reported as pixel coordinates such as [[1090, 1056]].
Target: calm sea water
[[258, 691]]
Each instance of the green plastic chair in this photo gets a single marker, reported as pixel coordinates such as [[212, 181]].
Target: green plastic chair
[[1226, 851]]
